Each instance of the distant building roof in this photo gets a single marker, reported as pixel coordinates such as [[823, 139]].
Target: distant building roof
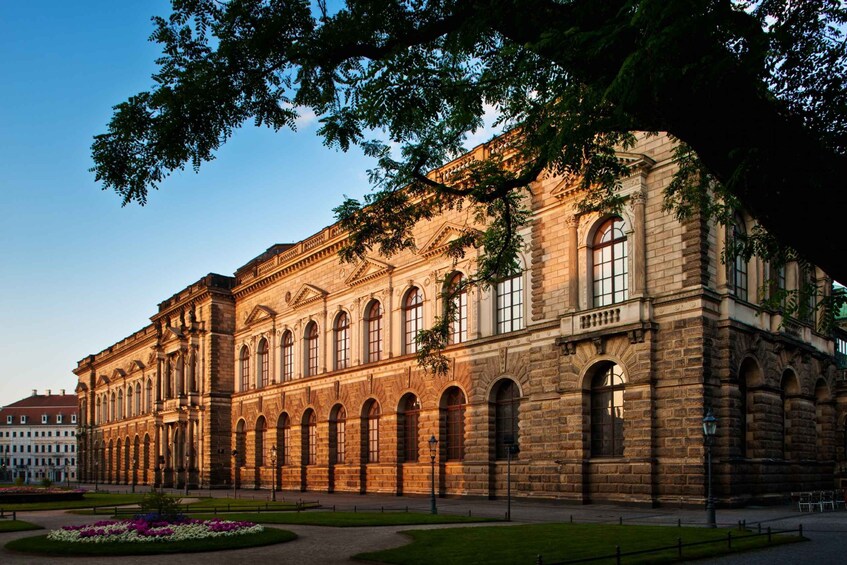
[[37, 405]]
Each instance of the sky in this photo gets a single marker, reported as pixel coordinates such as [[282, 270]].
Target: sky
[[78, 271]]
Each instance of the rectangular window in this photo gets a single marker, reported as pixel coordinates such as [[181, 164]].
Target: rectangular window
[[44, 418], [23, 419], [510, 305], [59, 419], [8, 419]]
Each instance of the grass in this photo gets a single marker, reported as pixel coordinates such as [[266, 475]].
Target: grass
[[16, 526], [90, 499], [42, 546], [346, 519], [559, 542], [209, 504]]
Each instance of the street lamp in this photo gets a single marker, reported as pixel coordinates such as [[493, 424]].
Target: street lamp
[[187, 475], [134, 473], [234, 474], [96, 466], [273, 477], [433, 444], [511, 449], [710, 426], [67, 475]]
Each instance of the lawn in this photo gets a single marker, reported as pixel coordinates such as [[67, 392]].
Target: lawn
[[41, 545], [219, 505], [89, 500], [16, 526], [558, 542], [346, 519]]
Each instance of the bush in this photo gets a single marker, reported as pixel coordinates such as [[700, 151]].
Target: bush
[[158, 506], [19, 481], [47, 483]]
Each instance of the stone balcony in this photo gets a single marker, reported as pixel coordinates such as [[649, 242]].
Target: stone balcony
[[631, 317]]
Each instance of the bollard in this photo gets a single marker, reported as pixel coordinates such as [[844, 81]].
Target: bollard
[[333, 507], [769, 534], [729, 539], [618, 555], [744, 521], [538, 560], [679, 547], [620, 520], [354, 509], [760, 527], [14, 515], [469, 512], [382, 509], [571, 518], [800, 529], [679, 522]]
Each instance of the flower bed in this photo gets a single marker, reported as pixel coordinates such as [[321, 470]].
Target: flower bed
[[11, 495], [144, 531]]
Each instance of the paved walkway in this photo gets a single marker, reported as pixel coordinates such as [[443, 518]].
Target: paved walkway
[[828, 531]]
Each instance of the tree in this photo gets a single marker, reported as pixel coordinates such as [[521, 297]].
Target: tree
[[754, 90]]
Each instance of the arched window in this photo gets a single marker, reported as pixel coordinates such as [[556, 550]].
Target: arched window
[[338, 435], [370, 430], [287, 356], [454, 415], [262, 361], [609, 253], [607, 412], [310, 437], [739, 266], [129, 413], [149, 395], [459, 304], [373, 321], [342, 341], [245, 369], [98, 415], [283, 438], [312, 349], [138, 408], [506, 404], [120, 413], [412, 319], [261, 428], [410, 410], [112, 414], [510, 304]]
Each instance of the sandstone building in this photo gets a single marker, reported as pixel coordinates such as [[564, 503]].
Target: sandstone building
[[38, 438], [599, 360]]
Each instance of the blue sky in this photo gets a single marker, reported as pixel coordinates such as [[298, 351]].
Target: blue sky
[[78, 271]]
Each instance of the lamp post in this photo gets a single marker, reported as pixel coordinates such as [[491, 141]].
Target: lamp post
[[161, 466], [273, 477], [433, 445], [710, 426], [96, 466], [511, 449], [67, 475], [187, 474], [234, 474], [134, 473]]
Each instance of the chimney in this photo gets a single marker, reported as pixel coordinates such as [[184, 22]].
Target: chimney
[[34, 392], [48, 392]]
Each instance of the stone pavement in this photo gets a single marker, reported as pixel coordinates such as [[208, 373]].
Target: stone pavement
[[827, 531]]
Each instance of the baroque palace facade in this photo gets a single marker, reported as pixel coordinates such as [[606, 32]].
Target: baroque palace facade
[[599, 361]]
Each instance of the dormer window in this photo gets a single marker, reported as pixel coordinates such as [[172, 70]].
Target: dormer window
[[8, 419], [59, 419], [73, 418], [44, 418], [23, 419]]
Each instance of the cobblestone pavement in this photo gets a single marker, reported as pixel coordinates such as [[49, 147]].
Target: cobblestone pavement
[[827, 531]]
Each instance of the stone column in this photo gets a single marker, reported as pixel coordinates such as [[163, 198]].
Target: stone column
[[639, 236], [573, 263]]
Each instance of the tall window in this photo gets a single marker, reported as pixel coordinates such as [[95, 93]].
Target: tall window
[[310, 438], [287, 356], [506, 403], [262, 360], [245, 368], [455, 424], [149, 395], [610, 268], [342, 341], [283, 438], [607, 410], [261, 428], [412, 319], [120, 413], [338, 435], [112, 413], [410, 410], [373, 320], [138, 408], [739, 266], [129, 412], [311, 349], [459, 303], [371, 429], [510, 304]]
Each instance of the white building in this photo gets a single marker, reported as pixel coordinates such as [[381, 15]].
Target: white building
[[38, 438]]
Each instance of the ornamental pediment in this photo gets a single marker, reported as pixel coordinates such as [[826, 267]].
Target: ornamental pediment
[[568, 185], [118, 373], [259, 314], [81, 387], [438, 243], [306, 295], [103, 380], [368, 270], [136, 365]]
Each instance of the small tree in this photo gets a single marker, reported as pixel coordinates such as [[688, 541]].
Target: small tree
[[157, 506]]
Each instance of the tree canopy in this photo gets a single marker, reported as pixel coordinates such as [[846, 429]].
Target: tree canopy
[[754, 90]]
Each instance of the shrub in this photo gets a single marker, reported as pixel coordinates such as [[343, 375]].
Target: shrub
[[158, 506], [45, 482], [19, 481]]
